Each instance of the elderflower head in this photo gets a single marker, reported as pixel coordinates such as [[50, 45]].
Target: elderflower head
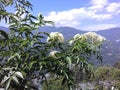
[[75, 38], [55, 36]]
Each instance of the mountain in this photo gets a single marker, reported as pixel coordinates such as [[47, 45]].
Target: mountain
[[110, 49], [112, 34]]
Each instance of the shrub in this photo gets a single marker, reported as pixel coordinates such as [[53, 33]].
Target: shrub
[[55, 84]]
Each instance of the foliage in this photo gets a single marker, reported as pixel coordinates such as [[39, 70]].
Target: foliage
[[25, 54], [54, 84], [99, 87], [116, 84], [102, 73], [107, 73]]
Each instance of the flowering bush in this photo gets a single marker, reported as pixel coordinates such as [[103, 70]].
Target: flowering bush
[[55, 36], [93, 39]]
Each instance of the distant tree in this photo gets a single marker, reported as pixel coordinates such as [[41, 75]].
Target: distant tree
[[107, 73], [102, 73]]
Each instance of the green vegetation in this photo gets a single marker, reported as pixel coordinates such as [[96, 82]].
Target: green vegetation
[[26, 55], [109, 75], [55, 84], [103, 76]]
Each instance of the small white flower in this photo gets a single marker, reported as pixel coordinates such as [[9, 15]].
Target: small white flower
[[52, 53], [77, 36], [71, 42], [56, 35]]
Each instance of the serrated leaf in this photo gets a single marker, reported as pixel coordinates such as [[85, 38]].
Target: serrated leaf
[[19, 74]]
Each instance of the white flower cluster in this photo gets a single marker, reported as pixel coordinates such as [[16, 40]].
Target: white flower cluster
[[93, 37], [89, 36], [55, 35]]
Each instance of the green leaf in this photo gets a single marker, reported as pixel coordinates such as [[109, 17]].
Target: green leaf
[[2, 32], [33, 17], [7, 84], [14, 78], [4, 80], [49, 22], [69, 61], [66, 75], [15, 55], [31, 64], [25, 42]]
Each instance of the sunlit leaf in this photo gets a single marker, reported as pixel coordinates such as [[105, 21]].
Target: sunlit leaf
[[7, 84], [19, 74], [4, 80], [15, 55], [31, 64], [14, 78], [69, 61]]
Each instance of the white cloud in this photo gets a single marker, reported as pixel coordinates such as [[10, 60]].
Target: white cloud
[[113, 7], [99, 27], [98, 10], [101, 17], [98, 4], [75, 17], [67, 18]]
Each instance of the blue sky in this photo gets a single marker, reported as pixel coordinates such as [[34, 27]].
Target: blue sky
[[90, 15]]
